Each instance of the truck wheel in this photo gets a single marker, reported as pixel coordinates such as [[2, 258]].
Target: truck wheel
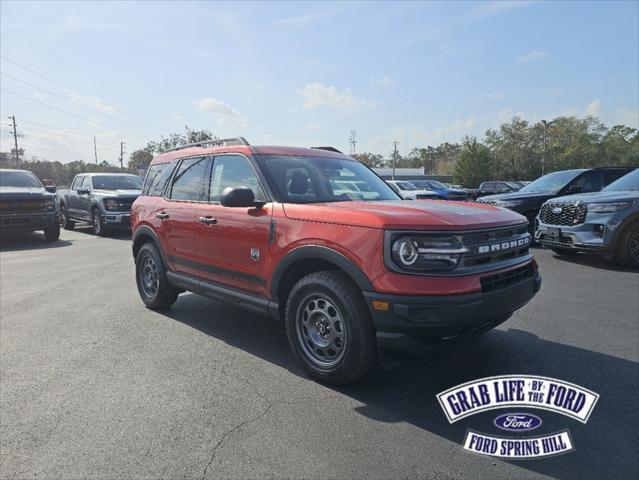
[[96, 222], [627, 249], [64, 219], [52, 233], [564, 251], [150, 274], [329, 328]]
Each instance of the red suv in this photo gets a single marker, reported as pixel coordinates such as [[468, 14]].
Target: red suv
[[315, 238]]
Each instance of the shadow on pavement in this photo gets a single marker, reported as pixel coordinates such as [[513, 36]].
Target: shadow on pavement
[[116, 233], [29, 241], [595, 261], [604, 448]]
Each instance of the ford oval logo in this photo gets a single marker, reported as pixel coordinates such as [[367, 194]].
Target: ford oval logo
[[517, 422], [557, 210]]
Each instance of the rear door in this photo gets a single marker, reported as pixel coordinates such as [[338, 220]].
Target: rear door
[[174, 214], [233, 243]]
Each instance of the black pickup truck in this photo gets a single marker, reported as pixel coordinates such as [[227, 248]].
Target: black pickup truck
[[26, 205], [102, 199]]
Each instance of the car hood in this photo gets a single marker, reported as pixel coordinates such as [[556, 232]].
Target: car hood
[[118, 193], [516, 196], [21, 192], [612, 196], [402, 214]]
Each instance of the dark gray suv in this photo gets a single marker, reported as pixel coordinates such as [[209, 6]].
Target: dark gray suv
[[605, 222]]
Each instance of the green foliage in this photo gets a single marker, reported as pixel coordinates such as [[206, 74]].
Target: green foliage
[[474, 163], [176, 139], [62, 173]]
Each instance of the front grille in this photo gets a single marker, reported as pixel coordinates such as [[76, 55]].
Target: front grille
[[124, 204], [22, 206], [496, 245], [427, 197], [487, 202], [505, 279], [568, 214]]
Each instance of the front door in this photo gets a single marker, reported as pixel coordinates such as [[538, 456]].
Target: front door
[[84, 199], [233, 243]]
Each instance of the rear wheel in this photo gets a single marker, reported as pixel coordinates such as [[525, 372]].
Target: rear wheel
[[64, 219], [627, 249], [52, 233], [150, 274], [329, 328]]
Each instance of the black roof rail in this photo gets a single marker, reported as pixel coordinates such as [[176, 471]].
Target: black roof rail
[[214, 142], [330, 149]]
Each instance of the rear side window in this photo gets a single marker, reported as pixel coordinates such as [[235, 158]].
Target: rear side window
[[189, 179], [233, 171], [157, 178]]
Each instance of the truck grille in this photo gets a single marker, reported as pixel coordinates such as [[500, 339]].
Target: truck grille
[[505, 279], [492, 246], [124, 204], [22, 206], [568, 214]]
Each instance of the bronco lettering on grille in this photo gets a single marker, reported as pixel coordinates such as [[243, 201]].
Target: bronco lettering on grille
[[497, 247]]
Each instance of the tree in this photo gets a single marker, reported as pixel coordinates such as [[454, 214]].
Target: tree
[[140, 159], [373, 160], [174, 140], [474, 164]]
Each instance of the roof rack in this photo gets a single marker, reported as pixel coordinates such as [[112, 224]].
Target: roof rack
[[330, 149], [215, 142]]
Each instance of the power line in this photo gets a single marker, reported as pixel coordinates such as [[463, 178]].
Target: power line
[[71, 113], [66, 99], [66, 87]]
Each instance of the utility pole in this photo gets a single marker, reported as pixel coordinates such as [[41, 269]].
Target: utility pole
[[353, 141], [121, 154], [394, 157], [15, 140], [95, 150]]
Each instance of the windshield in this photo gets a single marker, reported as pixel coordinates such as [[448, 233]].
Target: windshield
[[435, 184], [117, 182], [551, 183], [318, 179], [629, 181], [19, 180], [406, 186], [514, 185]]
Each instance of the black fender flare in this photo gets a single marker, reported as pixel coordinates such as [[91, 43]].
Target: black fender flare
[[144, 230], [323, 253]]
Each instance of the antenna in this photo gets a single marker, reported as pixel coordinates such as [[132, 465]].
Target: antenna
[[353, 141]]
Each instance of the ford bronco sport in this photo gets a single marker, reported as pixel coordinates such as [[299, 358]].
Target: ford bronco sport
[[278, 230]]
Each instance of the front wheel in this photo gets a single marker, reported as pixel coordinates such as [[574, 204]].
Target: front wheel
[[150, 274], [52, 233], [329, 328], [96, 223], [627, 249]]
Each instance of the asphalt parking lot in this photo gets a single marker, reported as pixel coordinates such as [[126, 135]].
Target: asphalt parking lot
[[93, 385]]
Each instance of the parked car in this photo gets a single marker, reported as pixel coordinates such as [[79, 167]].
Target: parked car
[[605, 222], [529, 199], [408, 191], [441, 190], [263, 228], [26, 205], [495, 187], [102, 199]]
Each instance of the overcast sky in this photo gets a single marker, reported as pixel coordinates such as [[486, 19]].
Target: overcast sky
[[307, 73]]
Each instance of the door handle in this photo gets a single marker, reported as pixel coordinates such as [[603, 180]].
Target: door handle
[[162, 215], [208, 220]]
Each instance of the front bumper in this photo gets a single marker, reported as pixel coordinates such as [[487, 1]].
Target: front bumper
[[28, 222], [596, 234], [122, 219], [402, 321]]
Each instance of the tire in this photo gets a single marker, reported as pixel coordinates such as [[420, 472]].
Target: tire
[[627, 248], [341, 347], [150, 274], [98, 228], [64, 219], [52, 233], [564, 251]]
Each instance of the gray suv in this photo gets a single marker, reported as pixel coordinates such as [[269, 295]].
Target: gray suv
[[605, 222]]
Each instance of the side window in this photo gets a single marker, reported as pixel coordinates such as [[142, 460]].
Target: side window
[[86, 183], [189, 179], [233, 171], [76, 182], [589, 182], [157, 178]]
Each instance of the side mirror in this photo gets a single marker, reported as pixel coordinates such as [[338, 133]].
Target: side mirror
[[82, 191], [50, 188], [238, 197]]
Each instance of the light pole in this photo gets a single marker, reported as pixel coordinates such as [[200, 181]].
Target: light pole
[[543, 158]]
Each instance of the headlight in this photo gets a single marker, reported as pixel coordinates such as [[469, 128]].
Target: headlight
[[508, 203], [110, 204], [607, 207], [48, 204], [427, 254]]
